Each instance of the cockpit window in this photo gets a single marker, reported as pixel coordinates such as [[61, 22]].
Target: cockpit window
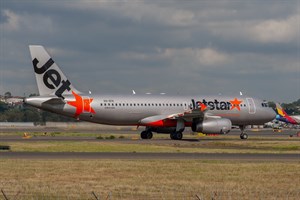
[[264, 104]]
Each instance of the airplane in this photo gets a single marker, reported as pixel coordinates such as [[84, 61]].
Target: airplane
[[284, 117], [157, 113]]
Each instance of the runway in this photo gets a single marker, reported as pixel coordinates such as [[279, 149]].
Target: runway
[[10, 135], [150, 156]]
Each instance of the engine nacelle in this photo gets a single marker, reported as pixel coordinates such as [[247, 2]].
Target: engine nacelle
[[213, 126]]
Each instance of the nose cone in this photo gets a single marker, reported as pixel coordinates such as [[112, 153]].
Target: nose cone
[[270, 114]]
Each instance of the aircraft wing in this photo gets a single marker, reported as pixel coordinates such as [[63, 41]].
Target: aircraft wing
[[186, 116]]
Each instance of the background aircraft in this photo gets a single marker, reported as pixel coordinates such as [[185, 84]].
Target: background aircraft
[[284, 117], [161, 114]]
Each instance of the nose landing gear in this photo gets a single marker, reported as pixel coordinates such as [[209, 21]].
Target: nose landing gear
[[243, 135]]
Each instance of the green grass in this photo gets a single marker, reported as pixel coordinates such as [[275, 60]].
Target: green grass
[[111, 145]]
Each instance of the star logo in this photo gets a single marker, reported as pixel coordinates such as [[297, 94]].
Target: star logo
[[202, 106], [81, 104], [235, 104]]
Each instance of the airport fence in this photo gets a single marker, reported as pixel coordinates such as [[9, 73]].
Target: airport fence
[[125, 194]]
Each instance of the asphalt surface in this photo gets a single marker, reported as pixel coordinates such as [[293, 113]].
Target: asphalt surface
[[149, 156], [285, 135]]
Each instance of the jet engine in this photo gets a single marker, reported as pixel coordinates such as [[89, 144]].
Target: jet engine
[[212, 126]]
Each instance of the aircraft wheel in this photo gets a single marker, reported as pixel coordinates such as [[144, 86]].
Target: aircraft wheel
[[144, 134], [149, 134], [176, 136], [244, 136], [172, 136]]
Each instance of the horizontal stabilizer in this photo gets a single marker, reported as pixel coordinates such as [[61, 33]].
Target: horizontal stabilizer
[[55, 101]]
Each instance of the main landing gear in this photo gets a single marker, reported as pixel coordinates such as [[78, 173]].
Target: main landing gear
[[147, 134], [176, 135], [243, 135], [175, 132]]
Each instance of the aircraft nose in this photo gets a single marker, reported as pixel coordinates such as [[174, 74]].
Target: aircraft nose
[[271, 114]]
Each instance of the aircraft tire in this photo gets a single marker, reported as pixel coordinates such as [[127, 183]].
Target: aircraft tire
[[179, 135], [144, 134], [176, 136], [172, 136], [149, 135], [244, 136]]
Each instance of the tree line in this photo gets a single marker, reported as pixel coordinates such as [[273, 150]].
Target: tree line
[[25, 113]]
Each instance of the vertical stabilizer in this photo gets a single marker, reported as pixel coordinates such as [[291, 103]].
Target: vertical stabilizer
[[280, 111], [50, 79]]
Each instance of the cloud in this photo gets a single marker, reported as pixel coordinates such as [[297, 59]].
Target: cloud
[[278, 31], [226, 45], [141, 11], [205, 56], [12, 21], [281, 31], [23, 23]]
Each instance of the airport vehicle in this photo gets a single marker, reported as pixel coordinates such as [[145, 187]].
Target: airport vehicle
[[284, 117], [157, 113]]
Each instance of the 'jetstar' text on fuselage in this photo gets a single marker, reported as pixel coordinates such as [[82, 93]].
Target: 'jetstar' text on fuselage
[[212, 105]]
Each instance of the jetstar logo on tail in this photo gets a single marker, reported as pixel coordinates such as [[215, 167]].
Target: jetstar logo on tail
[[51, 77], [81, 104], [216, 105]]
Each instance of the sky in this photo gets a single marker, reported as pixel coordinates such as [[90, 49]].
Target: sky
[[190, 47]]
